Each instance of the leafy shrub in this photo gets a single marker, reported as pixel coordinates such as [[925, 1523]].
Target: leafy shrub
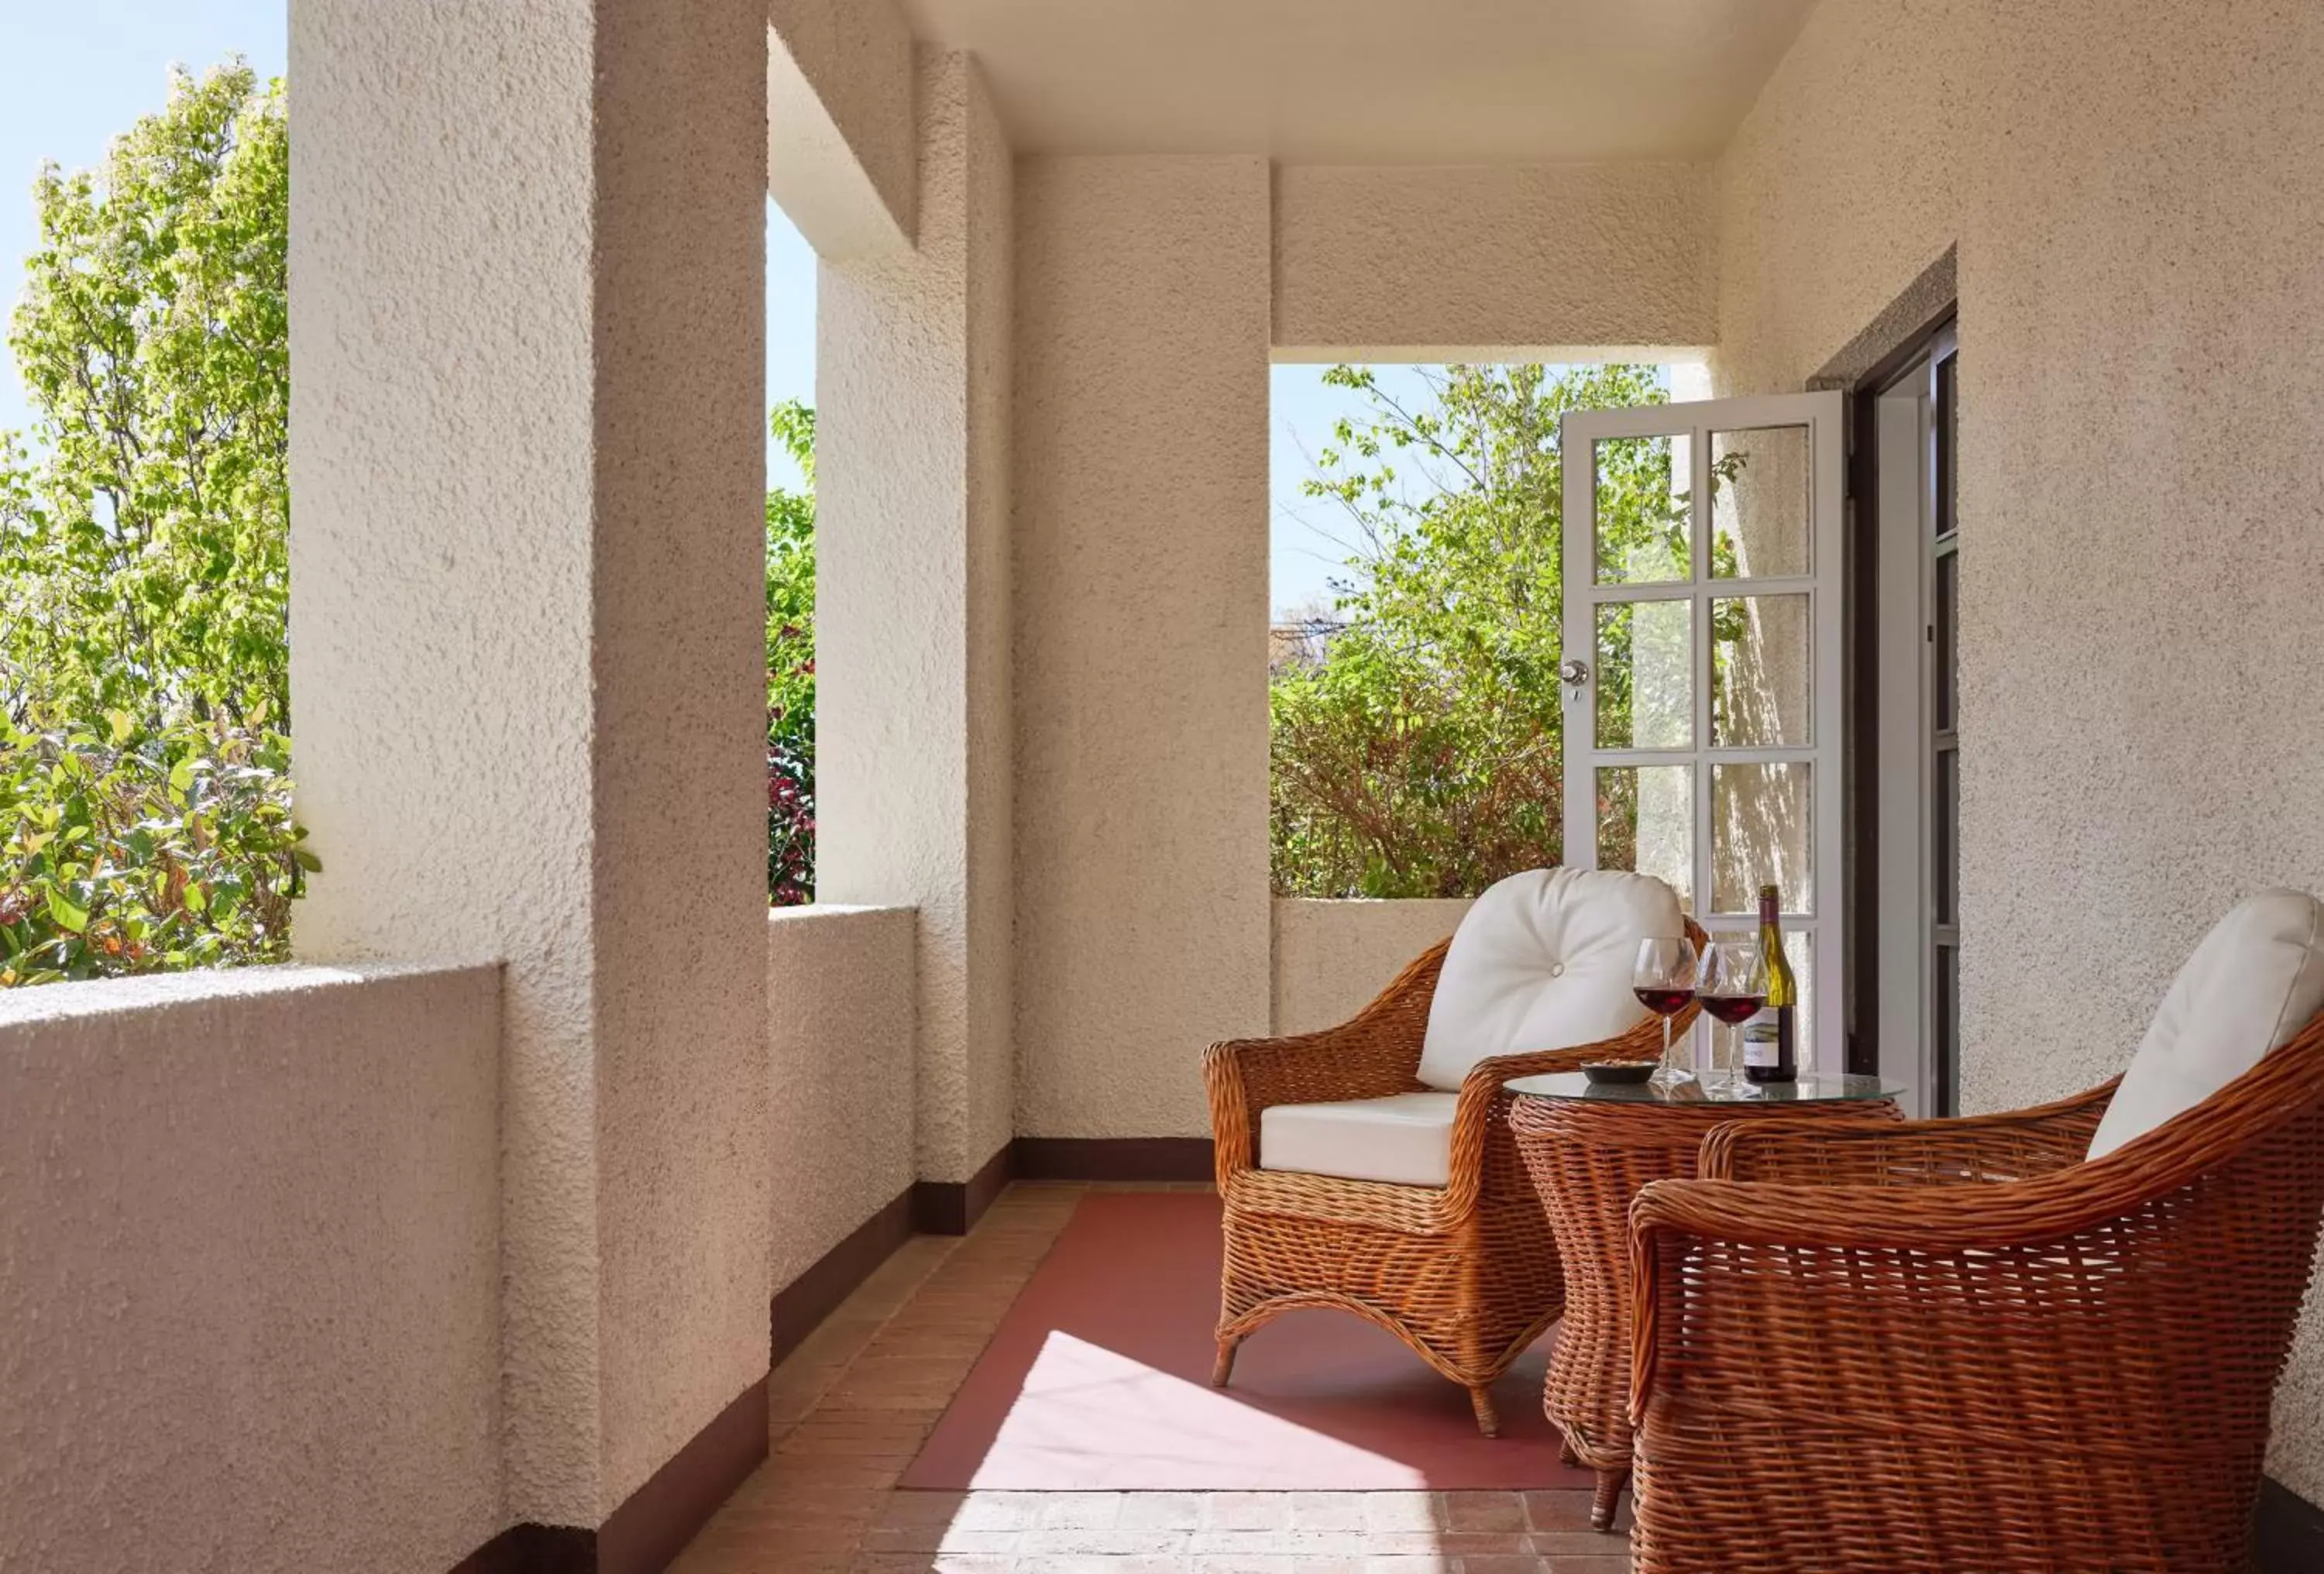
[[790, 667], [124, 854], [791, 823]]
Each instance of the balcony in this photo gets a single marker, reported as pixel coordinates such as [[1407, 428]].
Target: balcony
[[561, 1208]]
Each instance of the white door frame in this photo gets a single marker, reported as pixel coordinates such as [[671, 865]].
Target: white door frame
[[1825, 752]]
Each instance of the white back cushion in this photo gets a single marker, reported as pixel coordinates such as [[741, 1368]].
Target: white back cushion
[[2255, 980], [1543, 961]]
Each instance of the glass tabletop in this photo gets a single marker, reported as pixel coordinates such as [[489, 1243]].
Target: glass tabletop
[[1723, 1088]]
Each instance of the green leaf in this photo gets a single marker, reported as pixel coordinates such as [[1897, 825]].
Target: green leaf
[[67, 916], [121, 722]]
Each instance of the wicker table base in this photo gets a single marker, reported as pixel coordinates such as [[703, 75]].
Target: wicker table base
[[1589, 1159]]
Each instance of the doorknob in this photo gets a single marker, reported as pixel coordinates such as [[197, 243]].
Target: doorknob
[[1576, 673]]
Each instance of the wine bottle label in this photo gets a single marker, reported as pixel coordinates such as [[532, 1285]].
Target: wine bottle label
[[1762, 1039]]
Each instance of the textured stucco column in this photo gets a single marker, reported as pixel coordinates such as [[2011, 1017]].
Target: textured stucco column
[[526, 559], [1140, 445], [912, 636]]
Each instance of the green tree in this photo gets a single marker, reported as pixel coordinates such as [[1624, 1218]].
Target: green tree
[[144, 550], [790, 665], [1422, 754]]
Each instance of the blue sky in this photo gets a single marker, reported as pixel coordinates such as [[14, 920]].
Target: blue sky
[[74, 75]]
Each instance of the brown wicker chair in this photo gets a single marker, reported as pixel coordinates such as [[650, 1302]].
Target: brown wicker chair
[[1468, 1275], [1956, 1344]]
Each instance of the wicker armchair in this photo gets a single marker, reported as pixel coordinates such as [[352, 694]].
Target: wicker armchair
[[1957, 1344], [1466, 1275]]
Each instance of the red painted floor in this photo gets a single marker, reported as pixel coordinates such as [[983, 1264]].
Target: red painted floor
[[1098, 1379]]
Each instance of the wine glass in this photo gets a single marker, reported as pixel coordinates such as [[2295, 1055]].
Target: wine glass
[[1731, 982], [1664, 980]]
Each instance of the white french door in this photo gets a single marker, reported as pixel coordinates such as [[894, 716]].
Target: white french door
[[1702, 676]]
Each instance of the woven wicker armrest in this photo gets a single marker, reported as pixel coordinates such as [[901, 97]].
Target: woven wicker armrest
[[2013, 1146], [1482, 1092], [1371, 1055]]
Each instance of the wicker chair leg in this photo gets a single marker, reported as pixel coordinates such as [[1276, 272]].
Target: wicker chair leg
[[1565, 1454], [1225, 1367], [1481, 1400], [1607, 1501]]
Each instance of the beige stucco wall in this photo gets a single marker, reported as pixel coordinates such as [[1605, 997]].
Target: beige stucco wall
[[251, 1313], [839, 1074], [1844, 183], [913, 705], [1420, 263], [2136, 205], [1140, 597], [528, 637], [1332, 958], [840, 154]]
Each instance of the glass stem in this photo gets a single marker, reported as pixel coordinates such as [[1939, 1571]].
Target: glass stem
[[1666, 1059]]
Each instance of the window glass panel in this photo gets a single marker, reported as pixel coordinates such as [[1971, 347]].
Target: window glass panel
[[1645, 821], [1759, 668], [1645, 534], [1646, 694], [1759, 501], [1760, 823]]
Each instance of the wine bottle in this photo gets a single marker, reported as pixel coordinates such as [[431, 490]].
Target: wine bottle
[[1770, 1046]]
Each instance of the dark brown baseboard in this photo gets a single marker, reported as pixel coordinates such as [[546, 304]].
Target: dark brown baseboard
[[815, 1294], [2287, 1531], [534, 1549], [951, 1207], [646, 1534], [1113, 1158]]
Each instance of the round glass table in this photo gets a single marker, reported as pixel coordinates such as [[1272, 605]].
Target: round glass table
[[1589, 1148]]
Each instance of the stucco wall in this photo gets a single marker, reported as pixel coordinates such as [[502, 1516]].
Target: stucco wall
[[912, 707], [1140, 598], [1843, 183], [841, 155], [1332, 958], [1389, 263], [839, 1074], [250, 1318], [528, 647], [2135, 204]]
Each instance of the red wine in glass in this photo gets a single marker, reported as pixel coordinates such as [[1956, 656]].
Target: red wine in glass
[[1664, 1002], [1731, 1008]]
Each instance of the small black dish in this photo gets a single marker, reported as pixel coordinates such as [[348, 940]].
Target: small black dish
[[1619, 1070]]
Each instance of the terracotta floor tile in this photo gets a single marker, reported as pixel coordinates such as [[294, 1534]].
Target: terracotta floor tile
[[1486, 1511], [852, 1404], [1327, 1511]]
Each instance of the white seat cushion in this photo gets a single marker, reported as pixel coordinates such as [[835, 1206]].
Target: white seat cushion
[[1405, 1139], [2256, 980], [1543, 961]]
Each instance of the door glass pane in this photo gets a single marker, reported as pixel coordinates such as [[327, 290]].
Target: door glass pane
[[1945, 616], [1646, 695], [1759, 664], [1760, 832], [1948, 486], [1944, 819], [1759, 481], [1645, 821], [1947, 1046], [1644, 532]]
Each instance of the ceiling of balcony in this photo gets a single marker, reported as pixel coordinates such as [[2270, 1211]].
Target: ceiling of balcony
[[1372, 81]]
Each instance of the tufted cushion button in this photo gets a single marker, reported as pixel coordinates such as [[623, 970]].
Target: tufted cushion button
[[1557, 970]]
